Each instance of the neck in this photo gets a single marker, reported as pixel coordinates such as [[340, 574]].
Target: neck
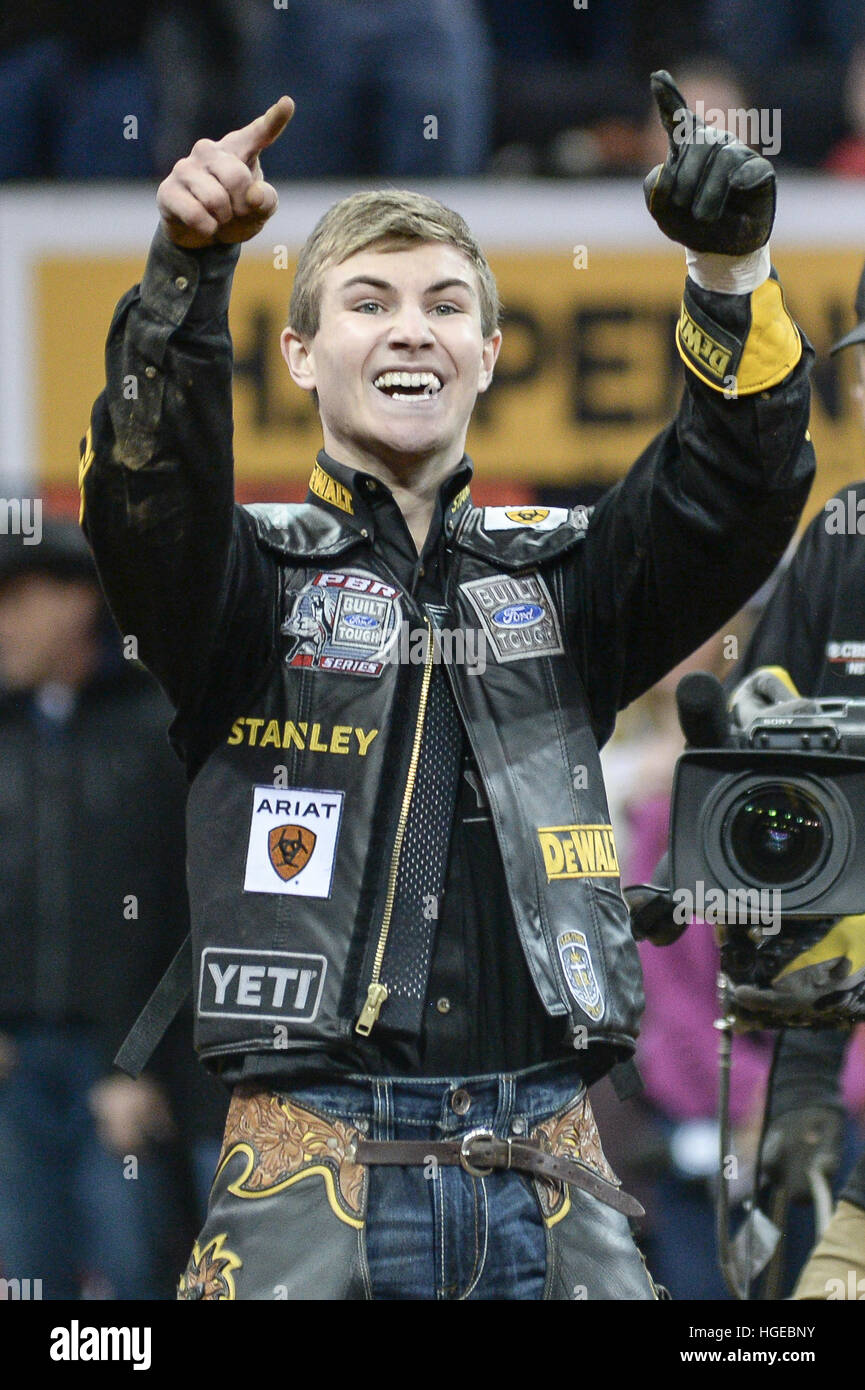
[[414, 483]]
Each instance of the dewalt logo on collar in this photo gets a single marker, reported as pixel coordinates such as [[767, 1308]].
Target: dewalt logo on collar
[[329, 490], [714, 355], [578, 851]]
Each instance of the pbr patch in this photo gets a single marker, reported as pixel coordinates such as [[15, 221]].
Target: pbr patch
[[576, 959], [292, 841], [517, 616], [283, 985], [343, 621], [512, 518]]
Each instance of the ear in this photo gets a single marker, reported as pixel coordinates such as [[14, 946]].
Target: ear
[[299, 359], [491, 350]]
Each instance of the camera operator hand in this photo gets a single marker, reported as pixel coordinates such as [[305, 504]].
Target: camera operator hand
[[217, 193], [801, 1142], [712, 193]]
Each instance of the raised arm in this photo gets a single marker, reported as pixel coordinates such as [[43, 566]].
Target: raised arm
[[706, 512], [175, 556]]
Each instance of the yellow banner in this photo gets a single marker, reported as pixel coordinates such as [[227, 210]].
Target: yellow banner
[[588, 371]]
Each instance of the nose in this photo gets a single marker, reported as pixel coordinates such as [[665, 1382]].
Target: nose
[[410, 327]]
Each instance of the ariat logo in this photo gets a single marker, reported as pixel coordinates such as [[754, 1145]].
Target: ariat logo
[[306, 737], [578, 851], [329, 490], [290, 847], [527, 516], [293, 836], [703, 350]]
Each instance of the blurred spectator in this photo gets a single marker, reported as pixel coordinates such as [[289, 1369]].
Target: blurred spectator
[[848, 156], [113, 90], [703, 79], [71, 77], [757, 38], [400, 88], [567, 98], [93, 904]]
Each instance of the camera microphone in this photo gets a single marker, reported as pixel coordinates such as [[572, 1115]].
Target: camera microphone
[[703, 711]]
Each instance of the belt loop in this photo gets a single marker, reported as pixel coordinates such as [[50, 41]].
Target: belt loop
[[502, 1121], [379, 1111]]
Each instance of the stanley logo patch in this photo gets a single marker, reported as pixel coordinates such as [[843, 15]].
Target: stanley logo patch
[[579, 972], [705, 353], [290, 847], [578, 851]]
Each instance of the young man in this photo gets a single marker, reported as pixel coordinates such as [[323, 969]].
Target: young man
[[411, 952]]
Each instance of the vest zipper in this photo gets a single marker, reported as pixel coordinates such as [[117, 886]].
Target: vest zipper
[[377, 992]]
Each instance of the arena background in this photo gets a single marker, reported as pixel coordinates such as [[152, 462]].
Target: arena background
[[588, 370]]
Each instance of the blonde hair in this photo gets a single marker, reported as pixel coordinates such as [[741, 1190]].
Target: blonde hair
[[386, 219]]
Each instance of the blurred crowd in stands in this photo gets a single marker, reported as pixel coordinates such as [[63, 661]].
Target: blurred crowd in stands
[[415, 88]]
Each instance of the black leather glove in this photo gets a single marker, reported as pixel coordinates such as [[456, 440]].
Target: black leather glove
[[799, 1142], [712, 193]]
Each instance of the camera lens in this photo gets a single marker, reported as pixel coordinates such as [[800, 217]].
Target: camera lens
[[776, 834]]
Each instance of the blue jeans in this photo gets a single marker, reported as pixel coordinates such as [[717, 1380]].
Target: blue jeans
[[424, 1231], [67, 1211]]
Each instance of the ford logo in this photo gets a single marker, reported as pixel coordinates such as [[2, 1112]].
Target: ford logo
[[360, 620], [518, 615]]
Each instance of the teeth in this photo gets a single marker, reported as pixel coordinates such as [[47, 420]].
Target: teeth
[[429, 380]]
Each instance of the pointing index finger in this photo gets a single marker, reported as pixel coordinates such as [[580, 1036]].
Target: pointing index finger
[[669, 100], [251, 139]]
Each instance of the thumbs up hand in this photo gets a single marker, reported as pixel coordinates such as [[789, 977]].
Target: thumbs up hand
[[712, 193]]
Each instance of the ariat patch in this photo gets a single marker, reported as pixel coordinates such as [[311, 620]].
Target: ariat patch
[[517, 616], [514, 518], [343, 621], [579, 972], [282, 985], [578, 851], [292, 841]]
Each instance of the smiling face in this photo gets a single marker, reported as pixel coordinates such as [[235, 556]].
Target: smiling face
[[399, 356]]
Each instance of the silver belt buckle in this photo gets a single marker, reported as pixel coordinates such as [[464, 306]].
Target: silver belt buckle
[[465, 1157]]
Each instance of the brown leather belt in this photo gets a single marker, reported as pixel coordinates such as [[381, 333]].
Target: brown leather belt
[[480, 1152]]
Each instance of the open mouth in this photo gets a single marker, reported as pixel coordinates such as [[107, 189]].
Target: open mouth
[[408, 386]]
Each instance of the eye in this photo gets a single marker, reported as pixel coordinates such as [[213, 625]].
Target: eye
[[368, 306], [447, 309]]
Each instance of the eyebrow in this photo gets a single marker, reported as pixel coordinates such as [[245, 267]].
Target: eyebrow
[[385, 284]]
